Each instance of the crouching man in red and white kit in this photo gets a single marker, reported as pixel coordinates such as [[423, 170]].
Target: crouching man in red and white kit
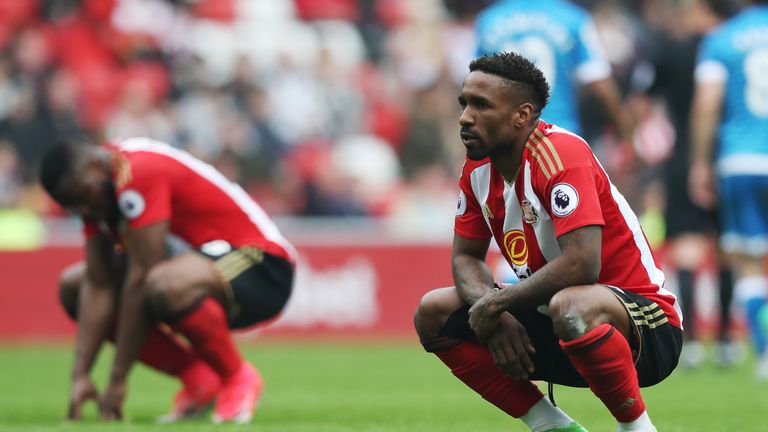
[[131, 195], [590, 308]]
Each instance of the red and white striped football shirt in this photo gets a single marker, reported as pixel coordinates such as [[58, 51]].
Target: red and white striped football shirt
[[560, 187], [155, 182]]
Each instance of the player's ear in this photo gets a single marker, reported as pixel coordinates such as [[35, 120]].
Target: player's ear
[[523, 114]]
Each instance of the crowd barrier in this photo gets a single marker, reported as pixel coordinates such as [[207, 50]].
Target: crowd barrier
[[344, 287], [340, 289]]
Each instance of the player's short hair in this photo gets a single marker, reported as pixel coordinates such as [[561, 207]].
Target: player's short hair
[[58, 163], [520, 71]]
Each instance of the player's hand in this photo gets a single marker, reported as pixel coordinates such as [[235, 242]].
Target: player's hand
[[701, 185], [111, 402], [83, 390], [484, 317], [511, 347]]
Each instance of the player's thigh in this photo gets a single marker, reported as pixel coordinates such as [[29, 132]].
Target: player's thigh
[[177, 283]]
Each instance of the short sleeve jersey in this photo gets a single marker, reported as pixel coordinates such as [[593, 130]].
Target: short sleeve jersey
[[559, 37], [736, 54], [155, 182], [560, 187]]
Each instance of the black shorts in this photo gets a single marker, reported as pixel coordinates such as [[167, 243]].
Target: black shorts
[[656, 353], [681, 215], [258, 284]]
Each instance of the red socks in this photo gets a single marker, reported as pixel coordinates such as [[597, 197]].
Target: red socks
[[473, 364], [603, 358], [207, 331], [162, 351]]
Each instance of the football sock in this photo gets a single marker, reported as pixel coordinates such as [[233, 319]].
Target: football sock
[[164, 352], [641, 424], [752, 291], [205, 326], [685, 282], [726, 297], [543, 416], [161, 351], [602, 356], [473, 364]]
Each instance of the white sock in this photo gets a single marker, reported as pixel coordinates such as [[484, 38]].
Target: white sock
[[642, 424], [544, 416]]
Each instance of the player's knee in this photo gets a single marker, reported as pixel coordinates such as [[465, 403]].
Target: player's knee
[[569, 313], [162, 290], [430, 314], [69, 288]]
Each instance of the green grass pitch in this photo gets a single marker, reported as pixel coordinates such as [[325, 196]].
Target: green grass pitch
[[362, 387]]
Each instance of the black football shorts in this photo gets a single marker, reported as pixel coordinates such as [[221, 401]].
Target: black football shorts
[[259, 284], [656, 352]]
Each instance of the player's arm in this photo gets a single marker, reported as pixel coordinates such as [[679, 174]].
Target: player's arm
[[508, 340], [578, 264], [471, 275], [145, 248], [705, 116], [606, 91], [594, 71], [94, 317]]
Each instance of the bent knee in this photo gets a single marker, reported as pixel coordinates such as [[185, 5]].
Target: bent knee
[[434, 309], [162, 289], [570, 312]]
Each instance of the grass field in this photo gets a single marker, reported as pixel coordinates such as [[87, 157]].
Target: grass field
[[347, 387]]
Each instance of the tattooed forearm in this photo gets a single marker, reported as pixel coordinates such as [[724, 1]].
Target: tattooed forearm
[[579, 264]]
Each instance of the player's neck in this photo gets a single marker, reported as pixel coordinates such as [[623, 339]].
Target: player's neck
[[508, 163]]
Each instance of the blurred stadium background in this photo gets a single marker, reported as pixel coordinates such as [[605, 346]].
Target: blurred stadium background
[[340, 118]]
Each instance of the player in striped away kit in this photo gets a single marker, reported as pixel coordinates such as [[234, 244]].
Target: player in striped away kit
[[590, 309], [132, 195]]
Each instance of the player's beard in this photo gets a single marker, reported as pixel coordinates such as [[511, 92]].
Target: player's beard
[[491, 152]]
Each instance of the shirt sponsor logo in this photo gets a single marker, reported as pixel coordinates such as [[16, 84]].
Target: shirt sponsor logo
[[461, 206], [564, 199], [530, 215], [131, 204], [515, 246]]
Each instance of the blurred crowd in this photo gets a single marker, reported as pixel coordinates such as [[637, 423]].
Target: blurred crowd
[[316, 107]]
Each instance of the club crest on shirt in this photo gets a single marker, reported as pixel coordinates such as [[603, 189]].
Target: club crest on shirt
[[131, 203], [461, 206], [564, 199], [530, 215]]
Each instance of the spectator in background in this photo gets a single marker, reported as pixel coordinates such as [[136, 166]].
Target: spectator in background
[[730, 108], [689, 228]]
